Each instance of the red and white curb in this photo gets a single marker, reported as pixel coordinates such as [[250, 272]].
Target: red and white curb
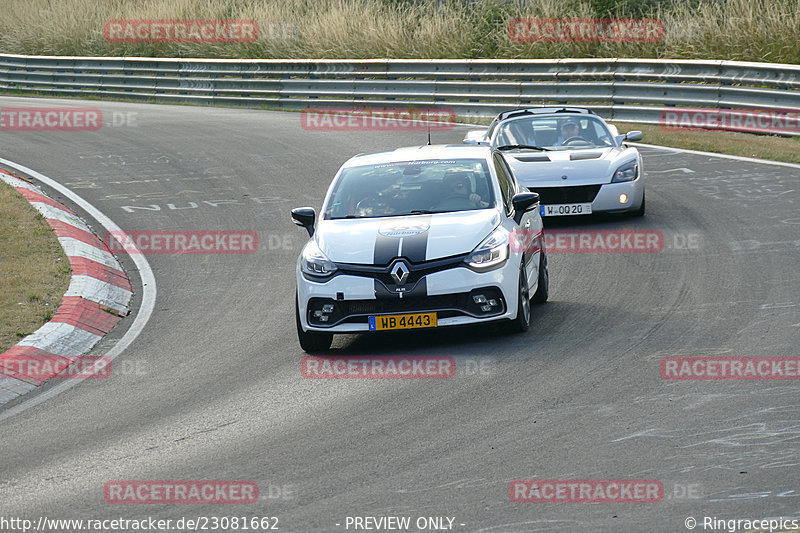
[[98, 296]]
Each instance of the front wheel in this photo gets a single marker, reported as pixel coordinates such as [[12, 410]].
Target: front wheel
[[522, 322], [543, 288], [639, 212], [310, 341]]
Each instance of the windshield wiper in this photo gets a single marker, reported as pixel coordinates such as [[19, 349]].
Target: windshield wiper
[[522, 147], [420, 212]]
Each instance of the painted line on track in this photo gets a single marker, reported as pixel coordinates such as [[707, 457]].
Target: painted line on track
[[145, 273], [724, 156]]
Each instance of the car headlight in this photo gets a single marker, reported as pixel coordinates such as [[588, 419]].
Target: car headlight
[[627, 172], [492, 253], [315, 263]]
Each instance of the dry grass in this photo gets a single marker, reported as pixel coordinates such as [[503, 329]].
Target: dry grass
[[749, 30], [34, 271], [743, 144]]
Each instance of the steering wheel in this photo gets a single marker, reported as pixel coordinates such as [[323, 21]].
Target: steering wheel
[[575, 138], [372, 206]]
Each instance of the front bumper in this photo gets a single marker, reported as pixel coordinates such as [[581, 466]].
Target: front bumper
[[450, 293], [603, 197]]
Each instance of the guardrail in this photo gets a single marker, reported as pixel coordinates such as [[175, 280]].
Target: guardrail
[[634, 90]]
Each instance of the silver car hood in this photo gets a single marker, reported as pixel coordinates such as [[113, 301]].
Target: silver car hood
[[569, 167], [418, 238]]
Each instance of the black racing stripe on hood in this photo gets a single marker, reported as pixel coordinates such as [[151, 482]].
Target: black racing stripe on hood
[[415, 247], [386, 249]]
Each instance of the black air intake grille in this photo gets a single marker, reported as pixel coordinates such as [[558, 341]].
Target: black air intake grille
[[566, 195]]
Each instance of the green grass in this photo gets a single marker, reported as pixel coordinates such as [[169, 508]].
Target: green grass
[[33, 267], [747, 30]]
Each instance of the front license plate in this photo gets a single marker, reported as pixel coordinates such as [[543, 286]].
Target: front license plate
[[559, 210], [411, 321]]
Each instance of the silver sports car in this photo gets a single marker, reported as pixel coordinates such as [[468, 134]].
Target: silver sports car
[[577, 163]]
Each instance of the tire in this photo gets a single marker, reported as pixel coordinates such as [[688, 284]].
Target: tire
[[311, 341], [639, 212], [543, 289], [522, 322]]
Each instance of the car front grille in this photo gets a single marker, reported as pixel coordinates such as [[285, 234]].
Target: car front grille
[[566, 195], [445, 305], [396, 305]]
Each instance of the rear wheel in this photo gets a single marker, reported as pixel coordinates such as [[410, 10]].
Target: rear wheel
[[522, 322], [310, 341], [543, 289]]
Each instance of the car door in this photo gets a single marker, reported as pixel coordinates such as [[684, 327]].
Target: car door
[[528, 233]]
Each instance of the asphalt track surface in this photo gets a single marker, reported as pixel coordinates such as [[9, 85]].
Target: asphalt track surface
[[212, 390]]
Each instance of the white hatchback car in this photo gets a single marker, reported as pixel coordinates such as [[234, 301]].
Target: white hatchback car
[[577, 163], [419, 237]]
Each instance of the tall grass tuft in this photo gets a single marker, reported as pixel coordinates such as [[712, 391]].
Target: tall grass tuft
[[747, 30]]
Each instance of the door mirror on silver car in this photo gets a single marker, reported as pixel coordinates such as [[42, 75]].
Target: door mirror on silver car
[[523, 202], [305, 217], [633, 136]]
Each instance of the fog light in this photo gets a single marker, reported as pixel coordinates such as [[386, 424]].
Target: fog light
[[492, 302], [479, 299], [327, 308], [324, 318], [486, 308], [317, 314], [623, 198]]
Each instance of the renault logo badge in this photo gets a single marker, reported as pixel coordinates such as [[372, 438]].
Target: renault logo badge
[[400, 272]]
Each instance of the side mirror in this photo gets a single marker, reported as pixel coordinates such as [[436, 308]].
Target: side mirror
[[633, 136], [305, 217], [523, 202]]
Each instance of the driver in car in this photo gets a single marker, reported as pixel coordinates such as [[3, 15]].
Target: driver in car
[[459, 186], [569, 130]]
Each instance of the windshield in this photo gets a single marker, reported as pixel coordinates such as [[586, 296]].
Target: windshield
[[555, 133], [410, 187]]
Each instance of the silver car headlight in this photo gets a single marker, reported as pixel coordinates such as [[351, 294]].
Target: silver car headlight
[[314, 262], [627, 172], [492, 253]]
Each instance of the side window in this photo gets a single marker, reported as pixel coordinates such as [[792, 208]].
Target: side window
[[507, 186], [515, 186]]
